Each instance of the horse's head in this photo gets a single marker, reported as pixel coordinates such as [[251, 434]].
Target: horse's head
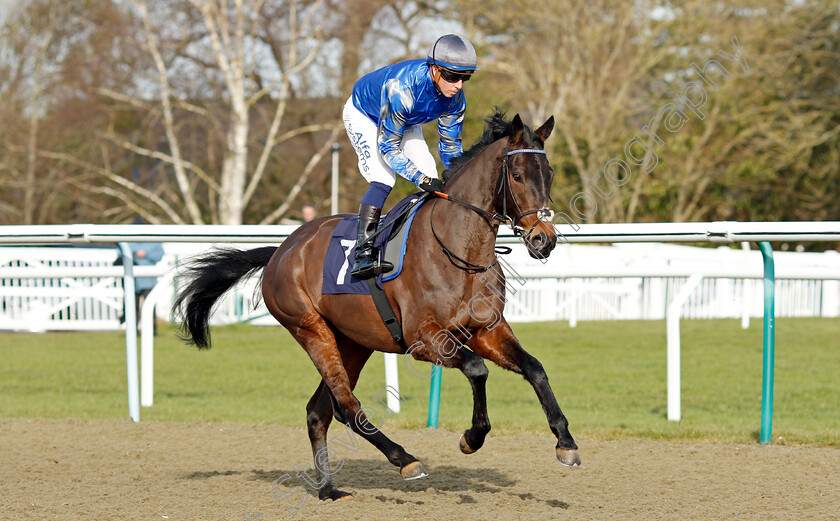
[[523, 192]]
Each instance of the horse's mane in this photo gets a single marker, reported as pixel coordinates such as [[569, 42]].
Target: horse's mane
[[496, 127]]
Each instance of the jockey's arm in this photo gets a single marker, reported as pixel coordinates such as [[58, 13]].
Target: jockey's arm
[[449, 128]]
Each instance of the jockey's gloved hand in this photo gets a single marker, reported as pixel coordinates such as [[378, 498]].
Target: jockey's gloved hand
[[430, 184]]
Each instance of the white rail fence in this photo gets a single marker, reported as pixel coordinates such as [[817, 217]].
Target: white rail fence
[[51, 288], [42, 289], [579, 283]]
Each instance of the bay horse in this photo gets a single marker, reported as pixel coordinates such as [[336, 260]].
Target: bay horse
[[451, 283]]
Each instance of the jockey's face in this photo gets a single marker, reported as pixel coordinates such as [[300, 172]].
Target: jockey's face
[[448, 88]]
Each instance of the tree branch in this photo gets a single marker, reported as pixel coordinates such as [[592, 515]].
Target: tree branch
[[125, 183], [310, 166], [169, 119]]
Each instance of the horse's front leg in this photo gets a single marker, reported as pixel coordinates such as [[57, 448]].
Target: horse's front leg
[[442, 348], [501, 347]]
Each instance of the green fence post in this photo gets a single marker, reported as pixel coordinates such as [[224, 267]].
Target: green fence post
[[434, 397], [237, 305], [769, 343]]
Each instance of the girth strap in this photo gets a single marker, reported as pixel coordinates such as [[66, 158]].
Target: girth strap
[[387, 313]]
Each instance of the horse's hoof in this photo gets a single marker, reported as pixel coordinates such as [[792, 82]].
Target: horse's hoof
[[569, 458], [335, 495], [465, 448], [413, 470]]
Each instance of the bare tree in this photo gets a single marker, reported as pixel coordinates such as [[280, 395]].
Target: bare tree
[[615, 76], [29, 38], [222, 111], [586, 63], [213, 64], [767, 145]]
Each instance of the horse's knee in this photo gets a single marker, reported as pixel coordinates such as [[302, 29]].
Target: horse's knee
[[318, 418], [312, 418], [533, 370], [476, 369]]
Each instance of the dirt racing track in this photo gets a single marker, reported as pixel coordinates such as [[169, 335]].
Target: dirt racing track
[[75, 469]]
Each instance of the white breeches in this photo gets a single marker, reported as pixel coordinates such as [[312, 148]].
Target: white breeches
[[373, 167]]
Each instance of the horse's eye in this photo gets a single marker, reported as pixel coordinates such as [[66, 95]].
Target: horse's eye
[[517, 178]]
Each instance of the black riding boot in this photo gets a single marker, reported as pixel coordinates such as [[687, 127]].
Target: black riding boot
[[367, 262]]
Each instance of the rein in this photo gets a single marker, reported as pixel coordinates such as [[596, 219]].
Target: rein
[[457, 261], [544, 214]]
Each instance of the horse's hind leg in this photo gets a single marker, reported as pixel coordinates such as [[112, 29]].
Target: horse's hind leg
[[319, 414], [501, 347], [318, 417], [318, 340]]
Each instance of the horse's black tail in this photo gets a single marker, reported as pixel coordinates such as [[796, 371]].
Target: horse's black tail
[[208, 277]]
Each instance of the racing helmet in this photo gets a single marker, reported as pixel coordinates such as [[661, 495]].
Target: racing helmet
[[454, 53]]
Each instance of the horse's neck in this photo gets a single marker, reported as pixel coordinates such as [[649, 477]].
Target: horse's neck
[[467, 232], [476, 182]]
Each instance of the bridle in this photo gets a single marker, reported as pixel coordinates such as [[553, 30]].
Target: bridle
[[503, 189], [543, 214]]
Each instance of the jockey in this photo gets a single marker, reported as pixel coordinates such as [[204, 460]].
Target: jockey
[[383, 118]]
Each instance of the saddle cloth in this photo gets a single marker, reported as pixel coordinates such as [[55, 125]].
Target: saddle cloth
[[391, 243]]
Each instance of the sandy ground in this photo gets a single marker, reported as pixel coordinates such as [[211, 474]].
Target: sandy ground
[[74, 469]]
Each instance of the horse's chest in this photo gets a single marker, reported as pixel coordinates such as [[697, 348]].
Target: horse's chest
[[472, 309]]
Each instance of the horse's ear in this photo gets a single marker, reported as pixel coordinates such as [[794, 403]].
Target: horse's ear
[[544, 131], [516, 129]]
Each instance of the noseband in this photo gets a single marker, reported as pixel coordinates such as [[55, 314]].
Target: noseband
[[504, 189]]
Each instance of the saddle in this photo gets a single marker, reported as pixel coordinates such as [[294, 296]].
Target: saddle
[[398, 235], [391, 239]]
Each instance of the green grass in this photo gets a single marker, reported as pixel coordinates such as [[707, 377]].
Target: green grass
[[609, 378]]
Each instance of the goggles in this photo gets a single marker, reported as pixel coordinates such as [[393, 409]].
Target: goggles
[[453, 77]]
